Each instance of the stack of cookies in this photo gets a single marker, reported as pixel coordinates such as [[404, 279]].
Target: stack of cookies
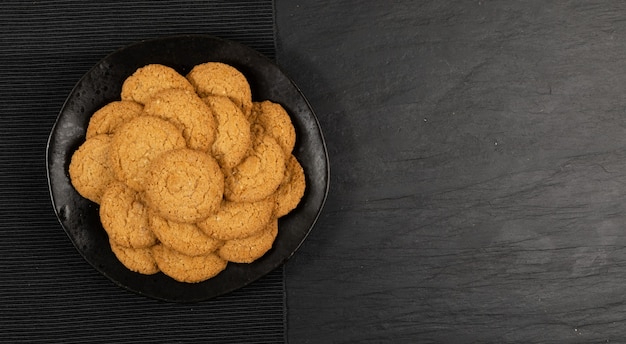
[[189, 172]]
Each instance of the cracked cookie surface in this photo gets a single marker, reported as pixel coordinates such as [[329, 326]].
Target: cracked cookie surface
[[113, 115], [124, 217], [184, 185], [149, 80], [236, 220], [89, 168], [182, 237], [274, 121], [233, 138], [249, 249], [188, 113], [137, 143], [185, 268], [291, 189], [259, 174], [220, 79], [135, 259]]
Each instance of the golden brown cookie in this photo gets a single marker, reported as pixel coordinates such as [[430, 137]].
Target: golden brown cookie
[[111, 116], [291, 189], [182, 237], [189, 269], [137, 143], [259, 174], [236, 220], [275, 121], [184, 185], [150, 79], [249, 249], [89, 169], [125, 218], [233, 138], [135, 259], [188, 113], [220, 79]]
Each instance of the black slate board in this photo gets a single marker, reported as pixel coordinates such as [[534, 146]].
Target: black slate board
[[48, 292], [478, 151]]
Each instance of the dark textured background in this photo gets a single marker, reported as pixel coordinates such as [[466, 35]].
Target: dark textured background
[[48, 293], [477, 155], [478, 158]]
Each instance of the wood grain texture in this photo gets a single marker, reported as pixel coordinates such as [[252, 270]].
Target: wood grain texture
[[478, 166]]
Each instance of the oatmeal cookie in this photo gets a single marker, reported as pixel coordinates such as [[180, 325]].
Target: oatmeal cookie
[[274, 121], [135, 259], [188, 113], [233, 138], [185, 268], [220, 79], [249, 249], [182, 237], [236, 220], [137, 143], [259, 174], [111, 116], [184, 185], [125, 217], [291, 189], [89, 169], [149, 80]]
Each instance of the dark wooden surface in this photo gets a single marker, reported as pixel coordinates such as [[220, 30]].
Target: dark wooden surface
[[478, 171]]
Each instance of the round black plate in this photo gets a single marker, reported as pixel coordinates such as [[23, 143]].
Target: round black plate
[[102, 84]]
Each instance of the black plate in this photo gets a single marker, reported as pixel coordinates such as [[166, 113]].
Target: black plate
[[102, 84]]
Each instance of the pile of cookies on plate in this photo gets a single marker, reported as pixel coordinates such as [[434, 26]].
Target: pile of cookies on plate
[[189, 172]]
